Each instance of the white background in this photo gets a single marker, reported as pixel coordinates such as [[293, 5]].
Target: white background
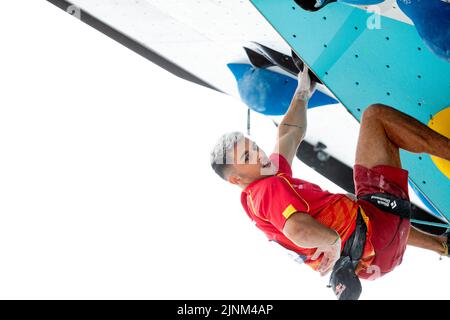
[[105, 186]]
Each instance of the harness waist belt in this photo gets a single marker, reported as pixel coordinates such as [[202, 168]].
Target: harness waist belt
[[390, 204], [354, 246]]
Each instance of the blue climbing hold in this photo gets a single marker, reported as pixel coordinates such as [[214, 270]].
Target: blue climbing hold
[[432, 21], [269, 92]]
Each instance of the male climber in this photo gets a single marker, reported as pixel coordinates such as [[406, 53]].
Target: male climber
[[317, 224]]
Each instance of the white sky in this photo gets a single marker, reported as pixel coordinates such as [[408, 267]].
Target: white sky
[[105, 186]]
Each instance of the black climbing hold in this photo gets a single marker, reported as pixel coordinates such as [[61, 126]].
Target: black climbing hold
[[299, 65], [279, 59], [309, 5], [292, 64], [258, 60]]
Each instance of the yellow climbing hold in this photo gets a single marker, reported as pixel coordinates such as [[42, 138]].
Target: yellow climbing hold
[[441, 123]]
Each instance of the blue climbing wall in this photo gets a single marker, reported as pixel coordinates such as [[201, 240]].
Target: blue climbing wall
[[361, 66]]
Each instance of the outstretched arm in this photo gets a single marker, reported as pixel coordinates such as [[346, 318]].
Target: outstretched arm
[[292, 128]]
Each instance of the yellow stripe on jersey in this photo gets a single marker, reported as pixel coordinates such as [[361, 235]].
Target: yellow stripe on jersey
[[289, 211]]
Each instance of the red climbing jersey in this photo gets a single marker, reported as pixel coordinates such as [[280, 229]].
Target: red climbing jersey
[[269, 202]]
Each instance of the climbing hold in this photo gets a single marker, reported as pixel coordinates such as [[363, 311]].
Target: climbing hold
[[432, 21], [269, 92], [314, 5], [440, 122], [361, 2]]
